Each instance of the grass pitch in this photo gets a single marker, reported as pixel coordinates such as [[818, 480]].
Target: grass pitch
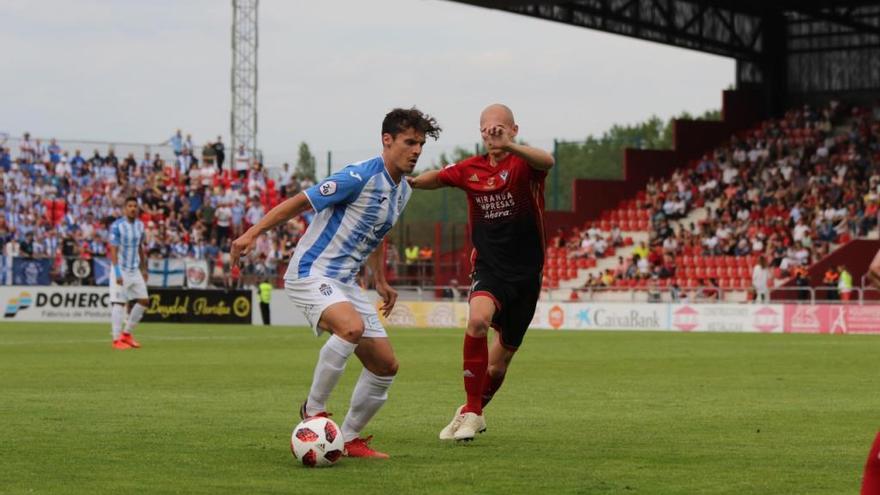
[[209, 409]]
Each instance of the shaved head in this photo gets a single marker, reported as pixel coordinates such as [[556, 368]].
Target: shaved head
[[497, 113]]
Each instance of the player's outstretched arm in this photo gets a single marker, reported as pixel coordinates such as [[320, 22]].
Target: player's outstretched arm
[[535, 157], [874, 271], [388, 294], [500, 136], [285, 211], [426, 180]]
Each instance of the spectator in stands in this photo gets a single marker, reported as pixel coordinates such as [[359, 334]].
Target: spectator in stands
[[219, 153], [802, 281], [844, 283], [710, 291], [209, 155], [176, 143], [411, 254], [5, 159], [830, 281], [760, 281], [616, 237], [242, 162], [26, 148], [287, 175], [600, 246], [676, 294], [426, 254]]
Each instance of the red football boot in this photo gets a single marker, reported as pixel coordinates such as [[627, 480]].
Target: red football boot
[[129, 339], [119, 344], [303, 415], [359, 448]]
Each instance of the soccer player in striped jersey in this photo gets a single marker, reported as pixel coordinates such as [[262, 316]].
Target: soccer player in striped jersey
[[505, 191], [355, 208], [128, 275]]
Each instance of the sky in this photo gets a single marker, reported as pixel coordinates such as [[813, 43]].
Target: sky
[[134, 71]]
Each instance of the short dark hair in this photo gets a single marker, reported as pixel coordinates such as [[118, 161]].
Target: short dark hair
[[130, 199], [401, 119]]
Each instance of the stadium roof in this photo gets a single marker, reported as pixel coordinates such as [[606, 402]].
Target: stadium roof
[[749, 30]]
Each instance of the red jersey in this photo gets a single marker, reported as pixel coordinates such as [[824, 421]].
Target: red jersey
[[506, 213]]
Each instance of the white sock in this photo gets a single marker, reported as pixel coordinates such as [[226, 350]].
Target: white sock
[[137, 311], [328, 370], [117, 319], [369, 394]]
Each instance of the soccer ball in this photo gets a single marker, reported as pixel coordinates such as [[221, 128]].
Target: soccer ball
[[317, 442]]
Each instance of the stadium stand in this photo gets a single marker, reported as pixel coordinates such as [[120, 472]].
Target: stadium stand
[[58, 204], [789, 189]]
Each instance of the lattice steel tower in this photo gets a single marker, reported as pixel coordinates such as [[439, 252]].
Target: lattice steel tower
[[244, 78]]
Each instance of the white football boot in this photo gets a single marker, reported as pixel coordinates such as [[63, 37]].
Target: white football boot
[[470, 425], [448, 433]]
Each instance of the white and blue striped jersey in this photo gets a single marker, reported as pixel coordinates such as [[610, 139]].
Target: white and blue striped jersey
[[126, 237], [355, 208]]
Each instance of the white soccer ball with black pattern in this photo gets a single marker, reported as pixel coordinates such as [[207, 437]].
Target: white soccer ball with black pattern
[[317, 442]]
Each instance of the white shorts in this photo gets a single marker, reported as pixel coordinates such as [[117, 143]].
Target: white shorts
[[312, 295], [133, 286]]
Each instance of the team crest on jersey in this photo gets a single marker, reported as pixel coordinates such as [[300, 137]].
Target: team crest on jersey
[[325, 289], [503, 175], [328, 188], [474, 178]]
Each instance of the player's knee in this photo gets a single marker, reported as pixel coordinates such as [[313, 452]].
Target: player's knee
[[478, 325], [388, 369], [351, 331], [351, 334]]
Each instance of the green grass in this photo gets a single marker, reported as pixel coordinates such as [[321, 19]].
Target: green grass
[[209, 409]]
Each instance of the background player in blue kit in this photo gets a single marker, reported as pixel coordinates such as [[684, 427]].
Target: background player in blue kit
[[355, 208], [128, 275]]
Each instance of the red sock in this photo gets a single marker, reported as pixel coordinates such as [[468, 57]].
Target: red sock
[[491, 384], [871, 481], [476, 361]]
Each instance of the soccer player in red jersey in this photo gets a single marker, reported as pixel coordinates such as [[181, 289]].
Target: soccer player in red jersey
[[505, 190], [871, 478]]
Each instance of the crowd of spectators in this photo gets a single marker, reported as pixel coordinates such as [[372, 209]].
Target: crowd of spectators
[[786, 190], [58, 203]]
